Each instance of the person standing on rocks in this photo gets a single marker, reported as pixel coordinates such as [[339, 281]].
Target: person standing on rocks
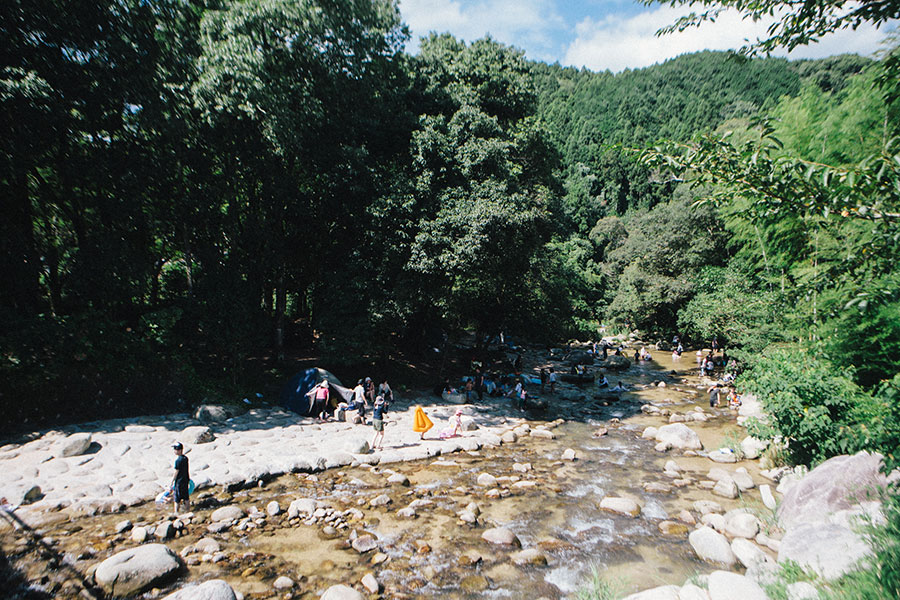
[[479, 383], [181, 480], [378, 411], [359, 401], [370, 391], [385, 391], [553, 378], [318, 400]]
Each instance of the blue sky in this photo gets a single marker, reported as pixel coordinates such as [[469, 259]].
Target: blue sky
[[602, 34]]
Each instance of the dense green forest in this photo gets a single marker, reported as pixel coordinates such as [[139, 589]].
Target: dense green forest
[[195, 190]]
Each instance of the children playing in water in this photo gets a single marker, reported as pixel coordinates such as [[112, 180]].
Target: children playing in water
[[713, 395], [734, 399]]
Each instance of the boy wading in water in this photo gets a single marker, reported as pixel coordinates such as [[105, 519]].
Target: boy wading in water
[[181, 479]]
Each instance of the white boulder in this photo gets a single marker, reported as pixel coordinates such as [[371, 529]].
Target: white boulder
[[680, 436], [712, 546], [132, 571]]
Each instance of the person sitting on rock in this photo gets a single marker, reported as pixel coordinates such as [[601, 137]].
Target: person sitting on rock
[[603, 382]]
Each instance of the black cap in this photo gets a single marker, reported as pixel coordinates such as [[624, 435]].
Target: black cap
[[178, 446]]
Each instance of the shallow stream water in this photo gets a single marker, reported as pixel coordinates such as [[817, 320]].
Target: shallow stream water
[[431, 555]]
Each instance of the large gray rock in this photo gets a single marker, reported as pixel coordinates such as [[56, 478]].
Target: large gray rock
[[364, 543], [765, 492], [615, 363], [133, 571], [752, 447], [197, 434], [227, 513], [215, 589], [722, 455], [742, 525], [341, 592], [839, 483], [530, 556], [726, 488], [211, 413], [486, 479], [500, 536], [73, 445], [748, 553], [623, 506], [357, 446], [679, 435], [283, 583], [301, 507], [724, 585], [828, 549], [712, 546], [743, 480], [32, 494], [371, 584], [580, 357]]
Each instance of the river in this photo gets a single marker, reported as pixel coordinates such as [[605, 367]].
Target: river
[[438, 555]]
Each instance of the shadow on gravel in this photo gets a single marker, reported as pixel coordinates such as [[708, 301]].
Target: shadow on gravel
[[14, 585]]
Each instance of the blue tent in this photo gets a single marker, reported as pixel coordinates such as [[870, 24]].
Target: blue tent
[[294, 393]]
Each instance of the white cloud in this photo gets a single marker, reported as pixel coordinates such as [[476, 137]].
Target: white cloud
[[617, 43], [521, 23]]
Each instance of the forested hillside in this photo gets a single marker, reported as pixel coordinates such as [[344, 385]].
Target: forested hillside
[[194, 190]]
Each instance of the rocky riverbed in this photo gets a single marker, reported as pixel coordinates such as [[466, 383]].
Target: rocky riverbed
[[522, 505]]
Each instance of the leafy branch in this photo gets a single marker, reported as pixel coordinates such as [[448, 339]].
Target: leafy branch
[[795, 23], [777, 183]]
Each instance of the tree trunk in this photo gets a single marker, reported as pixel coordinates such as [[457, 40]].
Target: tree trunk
[[188, 259], [280, 308]]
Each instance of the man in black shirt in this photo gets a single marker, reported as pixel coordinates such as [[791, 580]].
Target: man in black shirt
[[181, 481]]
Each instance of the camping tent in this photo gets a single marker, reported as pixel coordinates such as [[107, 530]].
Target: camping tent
[[293, 395]]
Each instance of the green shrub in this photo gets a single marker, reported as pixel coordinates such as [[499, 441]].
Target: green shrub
[[818, 410], [788, 572]]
